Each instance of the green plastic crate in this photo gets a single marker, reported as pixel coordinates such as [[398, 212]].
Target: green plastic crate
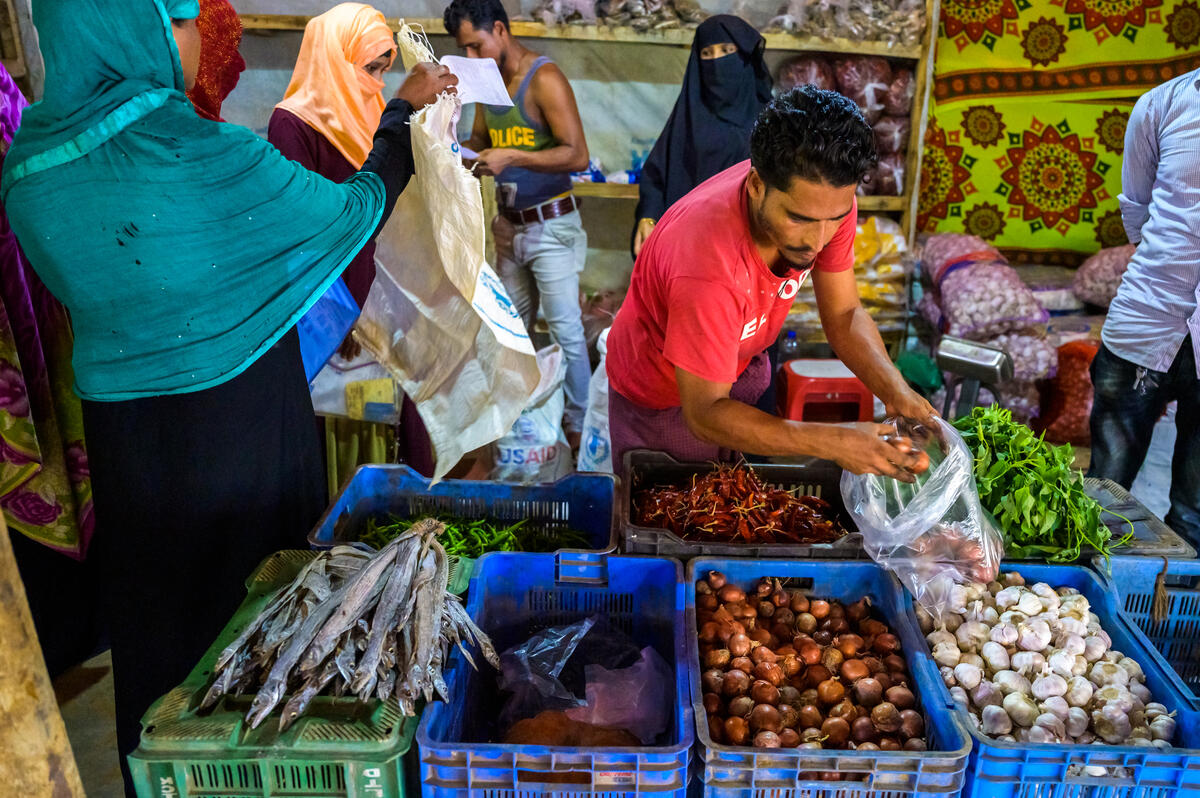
[[341, 749]]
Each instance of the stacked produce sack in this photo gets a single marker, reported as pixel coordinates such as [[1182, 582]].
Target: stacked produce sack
[[892, 21], [882, 92], [881, 268], [977, 295]]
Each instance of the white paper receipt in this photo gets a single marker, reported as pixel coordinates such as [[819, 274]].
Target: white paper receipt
[[479, 80]]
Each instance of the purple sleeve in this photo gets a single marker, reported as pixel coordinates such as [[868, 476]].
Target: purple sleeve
[[295, 139]]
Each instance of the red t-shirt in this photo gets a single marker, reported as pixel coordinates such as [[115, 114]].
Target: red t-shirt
[[701, 297]]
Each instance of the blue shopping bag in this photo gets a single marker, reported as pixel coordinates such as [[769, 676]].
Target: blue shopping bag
[[325, 326]]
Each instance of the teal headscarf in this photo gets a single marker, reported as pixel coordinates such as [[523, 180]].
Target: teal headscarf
[[183, 248]]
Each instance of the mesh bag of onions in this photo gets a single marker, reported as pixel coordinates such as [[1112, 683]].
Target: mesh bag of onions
[[1099, 277], [932, 534], [984, 299]]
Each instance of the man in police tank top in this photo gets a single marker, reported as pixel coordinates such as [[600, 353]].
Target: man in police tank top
[[531, 148]]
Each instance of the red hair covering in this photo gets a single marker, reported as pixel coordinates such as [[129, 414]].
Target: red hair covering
[[220, 62]]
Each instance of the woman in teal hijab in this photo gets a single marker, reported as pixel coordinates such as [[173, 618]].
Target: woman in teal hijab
[[185, 251]]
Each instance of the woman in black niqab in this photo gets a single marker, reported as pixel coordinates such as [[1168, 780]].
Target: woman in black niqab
[[709, 129]]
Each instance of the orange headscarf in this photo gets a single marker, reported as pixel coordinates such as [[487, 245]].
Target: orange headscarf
[[220, 62], [330, 88]]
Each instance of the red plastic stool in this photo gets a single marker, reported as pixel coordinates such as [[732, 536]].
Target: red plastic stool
[[823, 390]]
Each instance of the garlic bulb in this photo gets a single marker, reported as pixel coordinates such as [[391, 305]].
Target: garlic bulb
[[995, 655], [1079, 691], [1004, 633], [949, 655], [940, 636], [960, 696], [971, 636], [1056, 705], [1105, 673], [1062, 663], [1029, 604], [1111, 724], [1027, 662], [1077, 721], [1020, 708], [986, 694], [996, 720], [1012, 682], [969, 676], [1049, 684], [1132, 667], [948, 679], [1034, 635], [1008, 597], [1093, 648], [1071, 644], [1163, 728]]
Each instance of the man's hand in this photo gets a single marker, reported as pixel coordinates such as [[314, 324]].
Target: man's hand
[[425, 83], [494, 161], [911, 405], [875, 449], [644, 228]]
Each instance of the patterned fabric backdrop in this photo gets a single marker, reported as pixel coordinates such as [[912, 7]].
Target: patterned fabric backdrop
[[1030, 102]]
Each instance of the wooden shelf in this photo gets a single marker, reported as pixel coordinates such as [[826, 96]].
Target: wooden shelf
[[630, 192], [606, 190], [677, 37]]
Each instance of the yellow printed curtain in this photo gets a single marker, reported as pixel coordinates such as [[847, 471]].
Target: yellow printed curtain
[[1030, 102]]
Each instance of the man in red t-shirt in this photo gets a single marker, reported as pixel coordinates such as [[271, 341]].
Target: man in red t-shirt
[[711, 287]]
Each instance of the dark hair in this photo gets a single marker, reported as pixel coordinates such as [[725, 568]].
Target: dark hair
[[812, 134], [482, 14]]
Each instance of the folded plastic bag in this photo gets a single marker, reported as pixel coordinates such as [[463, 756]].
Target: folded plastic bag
[[932, 534], [636, 699]]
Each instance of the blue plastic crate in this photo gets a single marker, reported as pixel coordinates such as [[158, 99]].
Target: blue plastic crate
[[511, 597], [744, 772], [1177, 639], [1046, 770], [583, 502]]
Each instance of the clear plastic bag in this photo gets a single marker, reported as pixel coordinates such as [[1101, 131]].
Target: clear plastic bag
[[899, 98], [891, 134], [1097, 280], [932, 534], [865, 80], [983, 300], [548, 671], [888, 178]]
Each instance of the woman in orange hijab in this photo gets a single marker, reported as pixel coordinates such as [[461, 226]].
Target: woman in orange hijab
[[326, 123]]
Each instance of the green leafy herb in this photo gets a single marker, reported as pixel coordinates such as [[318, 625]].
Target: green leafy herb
[[1033, 490], [464, 538]]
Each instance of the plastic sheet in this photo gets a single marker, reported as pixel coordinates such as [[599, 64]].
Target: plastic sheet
[[933, 534], [865, 80], [1097, 280], [636, 699], [806, 69]]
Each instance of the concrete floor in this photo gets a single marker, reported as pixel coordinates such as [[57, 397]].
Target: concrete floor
[[85, 693]]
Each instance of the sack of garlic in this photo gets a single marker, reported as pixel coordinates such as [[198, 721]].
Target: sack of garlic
[[1031, 663], [931, 533]]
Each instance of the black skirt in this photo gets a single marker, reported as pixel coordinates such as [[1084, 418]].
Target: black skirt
[[191, 492]]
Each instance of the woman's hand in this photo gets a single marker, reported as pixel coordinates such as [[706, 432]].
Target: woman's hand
[[425, 83], [644, 228]]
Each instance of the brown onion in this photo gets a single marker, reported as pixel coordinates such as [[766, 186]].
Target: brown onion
[[911, 724], [785, 616], [764, 587], [788, 738], [874, 664], [886, 717], [849, 644], [799, 602], [782, 631], [789, 695], [872, 627], [806, 622], [763, 692], [868, 692], [716, 580], [741, 706], [703, 588], [810, 652], [859, 610], [889, 744], [716, 729], [914, 744], [885, 680], [765, 717], [717, 658], [767, 739], [863, 730], [708, 632], [737, 730], [765, 609], [830, 692], [867, 747], [789, 716], [706, 603], [760, 636], [837, 609], [895, 663], [853, 670], [743, 664], [811, 735], [844, 709], [791, 666], [886, 643], [735, 683], [902, 697], [731, 594], [712, 703], [711, 680], [815, 674], [808, 696], [779, 596], [786, 650], [747, 613], [810, 716], [769, 672], [823, 637], [837, 626], [818, 609], [762, 654], [836, 731], [739, 645], [832, 659]]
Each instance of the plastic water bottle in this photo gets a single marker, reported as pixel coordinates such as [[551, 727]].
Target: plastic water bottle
[[789, 348]]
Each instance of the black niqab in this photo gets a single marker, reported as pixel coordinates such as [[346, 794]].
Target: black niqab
[[709, 129]]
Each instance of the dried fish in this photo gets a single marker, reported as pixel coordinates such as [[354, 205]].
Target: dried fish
[[374, 624]]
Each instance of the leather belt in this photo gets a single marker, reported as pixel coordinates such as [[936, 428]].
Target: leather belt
[[540, 213]]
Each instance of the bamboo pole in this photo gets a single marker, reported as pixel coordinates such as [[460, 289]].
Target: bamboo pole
[[37, 760]]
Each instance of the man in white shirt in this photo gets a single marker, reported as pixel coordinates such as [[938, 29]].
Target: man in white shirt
[[1151, 339]]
